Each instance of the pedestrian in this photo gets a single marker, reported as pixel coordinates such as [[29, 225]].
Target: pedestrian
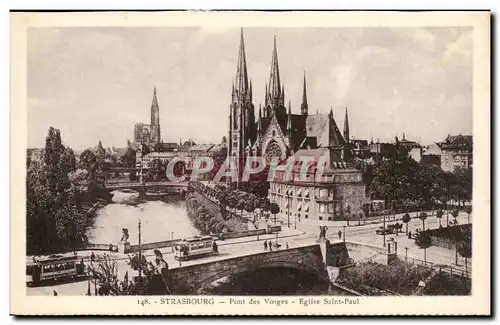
[[340, 234], [409, 234], [265, 245], [92, 257], [270, 247], [286, 245]]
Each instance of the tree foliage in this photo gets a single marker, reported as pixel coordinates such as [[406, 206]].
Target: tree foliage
[[54, 194]]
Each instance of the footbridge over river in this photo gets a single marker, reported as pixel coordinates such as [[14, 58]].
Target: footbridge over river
[[322, 259]]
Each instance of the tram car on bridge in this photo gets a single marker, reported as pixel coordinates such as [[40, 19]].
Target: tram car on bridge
[[195, 247], [54, 267]]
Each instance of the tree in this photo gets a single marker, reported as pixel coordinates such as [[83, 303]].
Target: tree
[[468, 210], [422, 217], [105, 272], [439, 215], [250, 208], [423, 240], [454, 214], [89, 162], [348, 213], [406, 220], [67, 162], [274, 208], [464, 245]]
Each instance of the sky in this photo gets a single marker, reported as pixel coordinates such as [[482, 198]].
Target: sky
[[96, 83]]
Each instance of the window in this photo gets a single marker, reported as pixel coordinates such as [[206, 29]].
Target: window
[[320, 218], [274, 133], [321, 208], [306, 216]]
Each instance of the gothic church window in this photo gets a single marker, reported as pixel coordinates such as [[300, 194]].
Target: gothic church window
[[273, 150]]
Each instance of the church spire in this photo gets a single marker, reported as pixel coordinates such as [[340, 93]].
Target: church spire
[[241, 69], [304, 107], [155, 118], [346, 127], [274, 78]]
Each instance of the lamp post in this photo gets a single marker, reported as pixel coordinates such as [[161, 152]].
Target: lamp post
[[288, 205], [140, 252], [344, 232], [384, 231], [276, 239], [406, 254], [172, 241]]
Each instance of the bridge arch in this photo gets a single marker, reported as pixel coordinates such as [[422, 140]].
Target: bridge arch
[[266, 265]]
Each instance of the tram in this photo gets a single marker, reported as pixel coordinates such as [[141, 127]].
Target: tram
[[195, 247], [53, 267]]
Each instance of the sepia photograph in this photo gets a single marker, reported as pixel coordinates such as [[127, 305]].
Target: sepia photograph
[[296, 165]]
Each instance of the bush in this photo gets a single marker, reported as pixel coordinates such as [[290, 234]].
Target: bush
[[371, 278], [445, 284]]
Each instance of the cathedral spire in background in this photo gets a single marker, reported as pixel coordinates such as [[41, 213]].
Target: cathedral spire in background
[[241, 69], [155, 119], [304, 108]]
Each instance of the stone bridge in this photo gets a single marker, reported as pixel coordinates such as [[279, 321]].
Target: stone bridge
[[190, 279], [317, 259], [146, 185]]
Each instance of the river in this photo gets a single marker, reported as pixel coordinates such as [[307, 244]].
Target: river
[[159, 219]]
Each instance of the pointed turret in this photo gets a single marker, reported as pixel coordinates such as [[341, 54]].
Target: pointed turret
[[259, 122], [346, 127], [241, 69], [274, 78], [331, 112], [250, 91], [304, 108], [289, 119]]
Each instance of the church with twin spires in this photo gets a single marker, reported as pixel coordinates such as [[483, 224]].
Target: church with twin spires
[[273, 131]]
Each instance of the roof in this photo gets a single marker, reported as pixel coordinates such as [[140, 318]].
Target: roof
[[460, 141], [169, 145], [201, 147], [323, 127], [333, 158], [197, 238]]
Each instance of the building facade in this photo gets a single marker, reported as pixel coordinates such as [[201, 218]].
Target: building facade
[[337, 194], [456, 152]]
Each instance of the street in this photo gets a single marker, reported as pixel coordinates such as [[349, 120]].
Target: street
[[305, 234]]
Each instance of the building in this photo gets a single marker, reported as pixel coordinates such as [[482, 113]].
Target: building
[[277, 133], [339, 194], [431, 155], [149, 133], [360, 148], [382, 150], [456, 152], [408, 145]]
